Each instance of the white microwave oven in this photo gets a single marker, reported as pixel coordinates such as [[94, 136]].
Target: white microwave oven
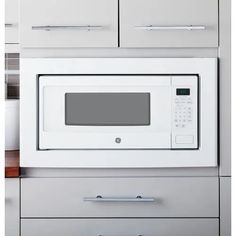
[[119, 112]]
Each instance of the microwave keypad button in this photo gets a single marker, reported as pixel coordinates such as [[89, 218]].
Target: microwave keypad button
[[183, 112], [184, 139]]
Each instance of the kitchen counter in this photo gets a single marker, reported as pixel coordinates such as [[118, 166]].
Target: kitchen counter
[[12, 167]]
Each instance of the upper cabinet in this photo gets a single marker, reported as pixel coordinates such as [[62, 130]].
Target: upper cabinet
[[140, 23], [11, 21], [169, 23], [68, 23]]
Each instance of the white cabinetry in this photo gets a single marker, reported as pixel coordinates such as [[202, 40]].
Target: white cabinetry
[[120, 206], [169, 23], [141, 23], [69, 23], [119, 197], [12, 207], [121, 227], [12, 25]]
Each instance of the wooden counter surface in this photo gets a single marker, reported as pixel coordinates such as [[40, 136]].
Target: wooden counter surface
[[12, 164]]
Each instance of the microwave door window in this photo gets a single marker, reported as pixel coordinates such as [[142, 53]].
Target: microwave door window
[[107, 109]]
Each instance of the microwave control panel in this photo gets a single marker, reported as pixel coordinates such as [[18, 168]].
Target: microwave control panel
[[185, 112], [183, 108]]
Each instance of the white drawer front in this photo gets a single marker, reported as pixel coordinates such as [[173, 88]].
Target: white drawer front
[[120, 227], [69, 23], [169, 23], [119, 197]]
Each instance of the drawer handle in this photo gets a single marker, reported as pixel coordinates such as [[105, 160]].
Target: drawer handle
[[99, 198], [173, 27], [10, 25], [68, 27]]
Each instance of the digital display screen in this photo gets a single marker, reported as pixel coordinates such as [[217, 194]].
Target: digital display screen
[[182, 91], [107, 109]]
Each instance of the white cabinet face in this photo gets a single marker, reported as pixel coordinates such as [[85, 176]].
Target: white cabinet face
[[11, 21], [12, 207], [169, 23], [143, 23], [117, 197], [121, 227], [69, 23]]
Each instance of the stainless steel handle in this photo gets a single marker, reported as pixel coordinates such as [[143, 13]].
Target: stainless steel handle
[[99, 198], [171, 27], [9, 25], [68, 27]]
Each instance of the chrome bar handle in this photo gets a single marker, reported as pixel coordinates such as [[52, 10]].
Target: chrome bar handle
[[67, 27], [171, 27], [9, 25], [99, 198]]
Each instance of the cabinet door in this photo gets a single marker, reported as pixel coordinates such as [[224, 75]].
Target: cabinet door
[[69, 23], [120, 227], [169, 23], [12, 215], [119, 197], [11, 21]]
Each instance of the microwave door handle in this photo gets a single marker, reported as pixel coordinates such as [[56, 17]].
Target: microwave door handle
[[171, 27], [99, 198]]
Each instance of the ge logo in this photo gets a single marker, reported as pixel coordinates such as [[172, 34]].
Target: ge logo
[[118, 140]]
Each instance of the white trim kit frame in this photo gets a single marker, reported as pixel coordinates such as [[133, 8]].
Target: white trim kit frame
[[205, 156]]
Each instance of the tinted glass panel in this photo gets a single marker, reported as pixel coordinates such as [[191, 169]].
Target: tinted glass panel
[[114, 109]]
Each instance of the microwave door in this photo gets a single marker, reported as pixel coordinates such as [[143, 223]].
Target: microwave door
[[105, 112]]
